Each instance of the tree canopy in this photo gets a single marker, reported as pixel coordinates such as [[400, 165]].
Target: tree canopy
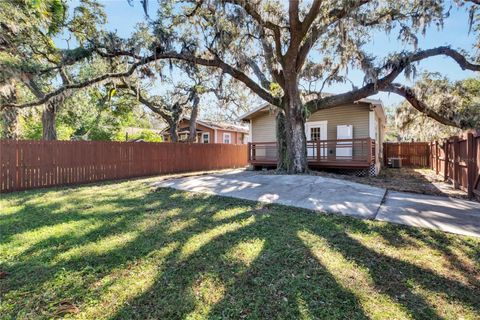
[[459, 100]]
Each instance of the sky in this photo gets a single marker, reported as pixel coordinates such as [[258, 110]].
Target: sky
[[122, 18]]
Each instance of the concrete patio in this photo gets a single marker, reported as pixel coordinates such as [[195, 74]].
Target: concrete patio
[[339, 196], [304, 191]]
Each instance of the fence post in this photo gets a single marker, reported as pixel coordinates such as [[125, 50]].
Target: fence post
[[445, 167], [385, 152], [428, 152], [470, 165], [455, 162], [430, 145], [437, 161]]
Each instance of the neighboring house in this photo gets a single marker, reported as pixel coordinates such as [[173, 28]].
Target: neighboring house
[[211, 132], [344, 137]]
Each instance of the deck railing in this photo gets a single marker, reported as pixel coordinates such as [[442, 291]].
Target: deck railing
[[358, 152]]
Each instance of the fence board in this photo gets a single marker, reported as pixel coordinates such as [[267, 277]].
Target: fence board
[[458, 160], [413, 154], [37, 164]]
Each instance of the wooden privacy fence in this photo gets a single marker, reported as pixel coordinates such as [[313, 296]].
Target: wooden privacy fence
[[37, 164], [413, 154], [458, 160]]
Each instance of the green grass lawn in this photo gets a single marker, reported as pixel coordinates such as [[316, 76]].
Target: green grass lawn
[[125, 250]]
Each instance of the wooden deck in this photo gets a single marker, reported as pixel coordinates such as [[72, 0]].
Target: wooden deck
[[335, 154]]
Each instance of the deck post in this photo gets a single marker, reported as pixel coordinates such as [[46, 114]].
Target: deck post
[[470, 165], [249, 149], [369, 146], [318, 150]]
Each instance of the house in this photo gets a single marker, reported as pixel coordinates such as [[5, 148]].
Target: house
[[211, 132], [344, 137]]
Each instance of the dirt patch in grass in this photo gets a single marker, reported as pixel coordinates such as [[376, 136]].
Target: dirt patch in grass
[[423, 181]]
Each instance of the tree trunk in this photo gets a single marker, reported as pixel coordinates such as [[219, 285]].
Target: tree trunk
[[48, 123], [296, 153], [173, 131], [9, 116], [281, 141], [10, 123], [192, 135]]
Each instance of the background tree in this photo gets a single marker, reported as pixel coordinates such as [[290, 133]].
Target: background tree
[[171, 106], [9, 117], [459, 101], [29, 54]]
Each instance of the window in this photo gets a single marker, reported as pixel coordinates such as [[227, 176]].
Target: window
[[315, 133], [206, 137], [227, 138]]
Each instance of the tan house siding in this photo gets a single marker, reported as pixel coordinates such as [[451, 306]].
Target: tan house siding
[[355, 115], [264, 128]]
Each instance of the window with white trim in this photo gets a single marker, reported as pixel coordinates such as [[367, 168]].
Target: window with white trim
[[206, 137], [227, 138]]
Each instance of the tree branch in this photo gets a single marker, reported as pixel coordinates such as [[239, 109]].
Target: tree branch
[[135, 92], [317, 31], [258, 73], [216, 62], [269, 60], [410, 96], [396, 68], [264, 24], [247, 6], [310, 17]]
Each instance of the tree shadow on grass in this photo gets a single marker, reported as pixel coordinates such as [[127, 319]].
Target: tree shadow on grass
[[214, 282], [285, 280], [446, 245], [210, 257], [404, 278]]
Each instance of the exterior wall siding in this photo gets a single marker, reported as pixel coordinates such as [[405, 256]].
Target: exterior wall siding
[[235, 137], [264, 128], [356, 115]]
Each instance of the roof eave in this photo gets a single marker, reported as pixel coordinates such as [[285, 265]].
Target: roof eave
[[248, 115]]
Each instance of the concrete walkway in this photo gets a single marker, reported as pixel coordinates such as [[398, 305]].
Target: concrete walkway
[[433, 212], [340, 196]]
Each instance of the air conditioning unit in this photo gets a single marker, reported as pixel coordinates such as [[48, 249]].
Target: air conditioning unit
[[395, 162]]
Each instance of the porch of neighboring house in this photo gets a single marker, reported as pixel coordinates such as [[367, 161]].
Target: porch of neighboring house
[[356, 153]]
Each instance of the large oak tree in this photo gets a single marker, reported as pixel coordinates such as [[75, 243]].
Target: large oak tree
[[274, 47]]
